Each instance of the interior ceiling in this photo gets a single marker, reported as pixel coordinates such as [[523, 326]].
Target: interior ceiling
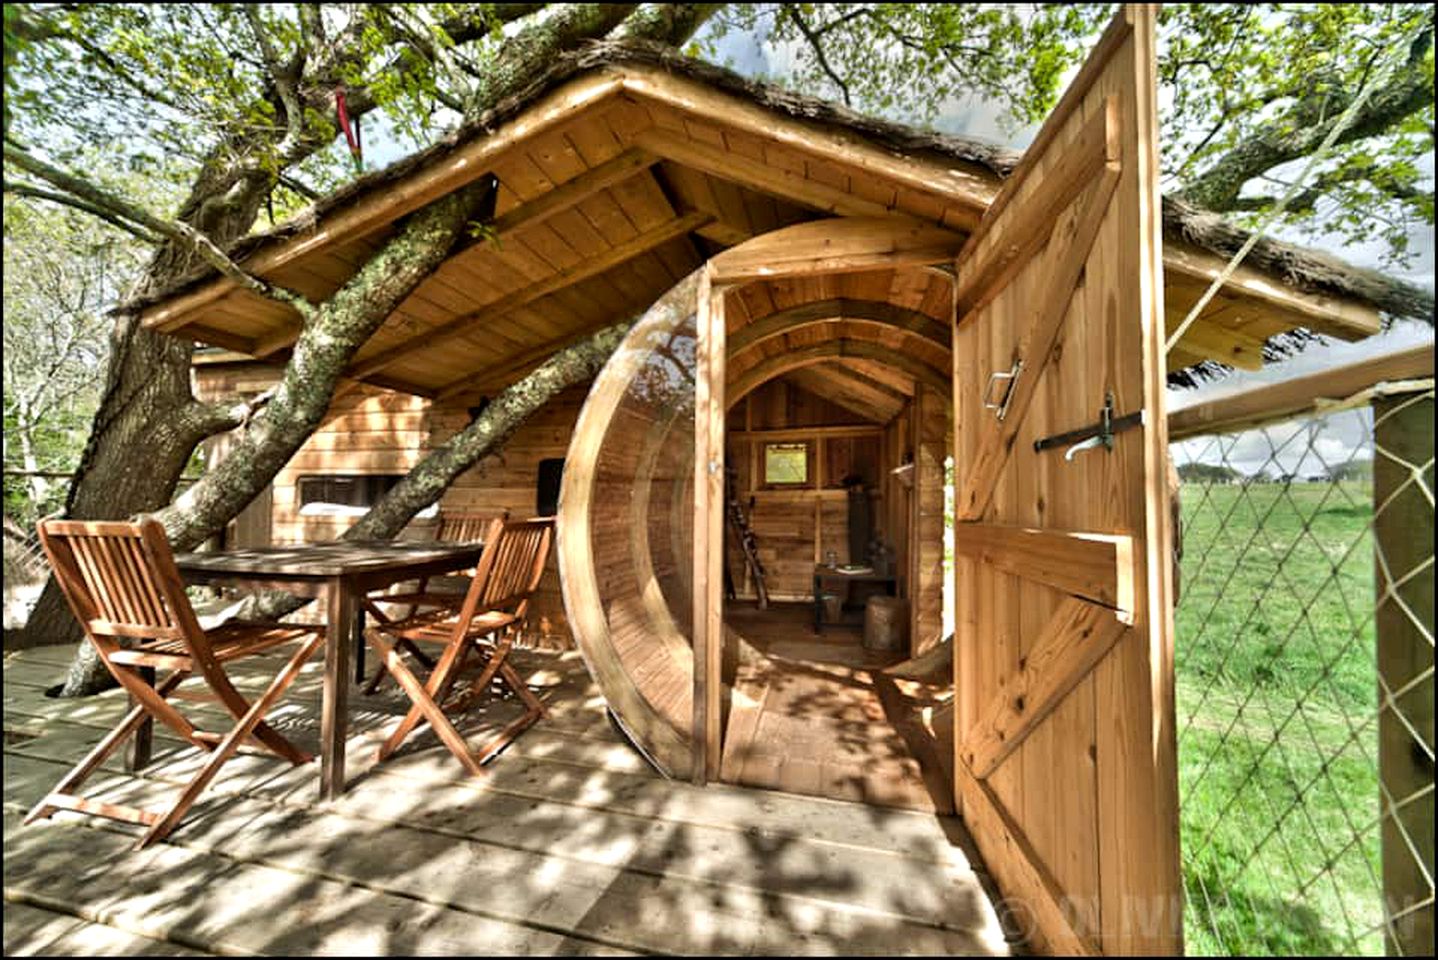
[[598, 216]]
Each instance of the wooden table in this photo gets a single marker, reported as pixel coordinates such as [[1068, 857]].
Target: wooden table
[[342, 573], [824, 573]]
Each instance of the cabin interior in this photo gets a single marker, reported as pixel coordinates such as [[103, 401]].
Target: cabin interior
[[836, 457]]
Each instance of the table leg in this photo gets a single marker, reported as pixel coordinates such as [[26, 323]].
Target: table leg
[[818, 604], [342, 607]]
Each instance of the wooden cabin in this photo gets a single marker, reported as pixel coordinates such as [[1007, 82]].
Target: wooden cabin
[[825, 298]]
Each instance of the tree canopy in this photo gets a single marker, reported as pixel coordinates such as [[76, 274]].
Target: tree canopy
[[166, 90]]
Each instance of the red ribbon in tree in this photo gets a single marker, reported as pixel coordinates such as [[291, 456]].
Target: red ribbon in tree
[[351, 135]]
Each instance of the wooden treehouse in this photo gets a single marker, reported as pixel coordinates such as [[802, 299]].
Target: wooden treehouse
[[832, 306]]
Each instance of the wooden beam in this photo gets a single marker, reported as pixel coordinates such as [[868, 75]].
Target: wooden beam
[[784, 184], [607, 174], [380, 208], [769, 368], [967, 188], [832, 382], [995, 256], [820, 311], [596, 179], [806, 433], [852, 374], [1074, 640], [485, 380], [1344, 319], [877, 372], [1063, 264], [1212, 341], [708, 556], [1092, 566], [843, 245], [222, 338], [592, 267], [1283, 401]]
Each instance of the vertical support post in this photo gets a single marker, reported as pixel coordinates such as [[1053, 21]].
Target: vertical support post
[[1403, 539], [709, 415]]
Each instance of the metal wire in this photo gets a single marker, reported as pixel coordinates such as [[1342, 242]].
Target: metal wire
[[1279, 692]]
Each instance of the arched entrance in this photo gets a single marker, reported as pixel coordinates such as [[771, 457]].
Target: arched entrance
[[850, 303]]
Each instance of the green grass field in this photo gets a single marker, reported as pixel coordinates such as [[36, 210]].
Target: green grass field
[[1276, 697]]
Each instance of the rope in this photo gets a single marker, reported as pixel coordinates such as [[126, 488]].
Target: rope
[[1345, 119]]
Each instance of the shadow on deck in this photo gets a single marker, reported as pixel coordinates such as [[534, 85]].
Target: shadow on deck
[[569, 845]]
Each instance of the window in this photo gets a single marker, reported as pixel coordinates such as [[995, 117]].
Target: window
[[551, 472], [786, 463], [343, 495]]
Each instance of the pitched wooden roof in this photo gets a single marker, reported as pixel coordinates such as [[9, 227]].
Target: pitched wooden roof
[[622, 170]]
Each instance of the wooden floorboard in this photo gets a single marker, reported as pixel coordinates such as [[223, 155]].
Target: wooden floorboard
[[807, 718], [568, 845]]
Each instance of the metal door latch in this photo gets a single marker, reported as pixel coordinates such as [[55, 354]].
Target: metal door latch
[[1100, 434], [1000, 407]]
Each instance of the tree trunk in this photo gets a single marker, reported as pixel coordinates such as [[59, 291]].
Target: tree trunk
[[134, 458]]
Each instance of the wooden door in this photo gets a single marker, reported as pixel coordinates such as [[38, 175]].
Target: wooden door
[[1064, 721]]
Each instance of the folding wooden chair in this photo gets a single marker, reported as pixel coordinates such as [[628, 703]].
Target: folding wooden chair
[[486, 624], [431, 592], [122, 584]]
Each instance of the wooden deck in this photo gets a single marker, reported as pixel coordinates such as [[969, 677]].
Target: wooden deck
[[570, 845], [811, 719]]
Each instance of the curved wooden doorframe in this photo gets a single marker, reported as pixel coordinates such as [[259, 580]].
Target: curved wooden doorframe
[[836, 245], [877, 312], [816, 248], [776, 366]]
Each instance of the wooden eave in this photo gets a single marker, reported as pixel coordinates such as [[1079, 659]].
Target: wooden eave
[[616, 184]]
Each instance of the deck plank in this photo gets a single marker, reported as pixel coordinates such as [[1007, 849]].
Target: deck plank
[[569, 845]]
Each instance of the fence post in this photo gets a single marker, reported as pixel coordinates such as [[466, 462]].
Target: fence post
[[1403, 532]]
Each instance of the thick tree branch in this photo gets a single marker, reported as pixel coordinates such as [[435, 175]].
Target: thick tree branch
[[334, 334], [40, 193], [1299, 130], [179, 232], [207, 419], [432, 476], [670, 23], [427, 482], [533, 48], [283, 75]]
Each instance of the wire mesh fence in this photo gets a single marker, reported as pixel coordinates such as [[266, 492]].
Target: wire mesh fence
[[1304, 559]]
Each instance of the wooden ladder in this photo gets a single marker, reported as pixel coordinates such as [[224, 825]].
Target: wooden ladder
[[747, 543]]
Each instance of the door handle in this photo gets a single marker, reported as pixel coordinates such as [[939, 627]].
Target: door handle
[[1000, 407]]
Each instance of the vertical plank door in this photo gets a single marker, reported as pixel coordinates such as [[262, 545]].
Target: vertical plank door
[[1064, 660]]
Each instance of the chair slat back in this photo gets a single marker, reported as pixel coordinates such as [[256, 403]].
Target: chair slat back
[[119, 578], [510, 567], [465, 527]]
